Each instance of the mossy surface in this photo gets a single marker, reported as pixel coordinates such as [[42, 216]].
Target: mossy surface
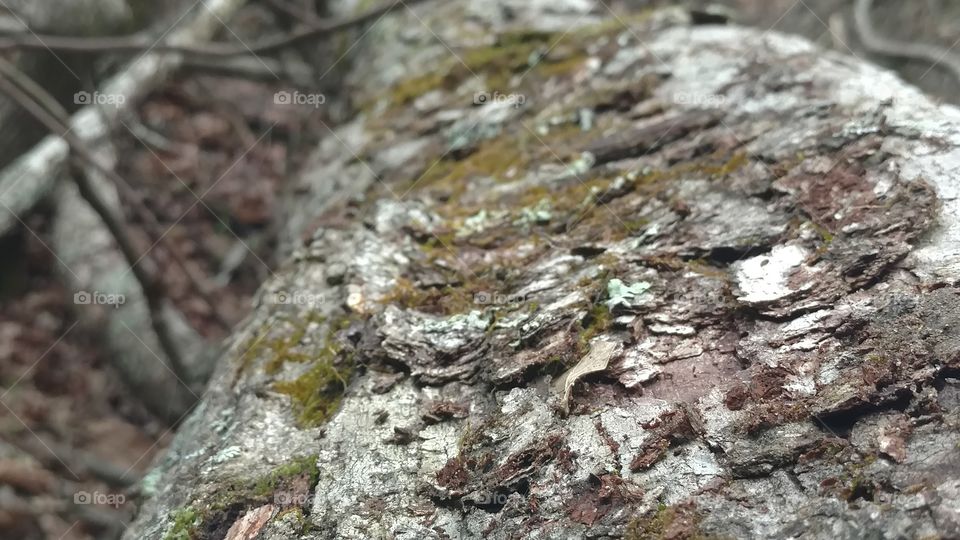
[[279, 342], [317, 391], [186, 522], [503, 65], [275, 479], [316, 394], [679, 522], [202, 520], [260, 490]]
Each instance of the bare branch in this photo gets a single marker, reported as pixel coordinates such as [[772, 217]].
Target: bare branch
[[139, 43], [151, 287], [879, 45]]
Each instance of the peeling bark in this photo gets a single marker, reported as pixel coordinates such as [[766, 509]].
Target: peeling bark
[[772, 287]]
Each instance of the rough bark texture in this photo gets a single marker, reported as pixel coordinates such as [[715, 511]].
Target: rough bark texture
[[701, 283]]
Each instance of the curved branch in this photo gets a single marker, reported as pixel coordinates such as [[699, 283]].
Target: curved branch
[[879, 45], [138, 43]]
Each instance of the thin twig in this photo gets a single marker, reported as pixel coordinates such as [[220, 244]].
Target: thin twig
[[139, 43], [288, 8], [879, 45], [151, 287], [60, 123], [30, 86]]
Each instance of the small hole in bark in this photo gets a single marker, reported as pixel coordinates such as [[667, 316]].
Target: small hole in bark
[[727, 255], [841, 422]]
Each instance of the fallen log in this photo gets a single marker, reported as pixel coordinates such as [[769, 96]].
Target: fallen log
[[748, 329]]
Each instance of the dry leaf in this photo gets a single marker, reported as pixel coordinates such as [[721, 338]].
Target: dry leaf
[[599, 357]]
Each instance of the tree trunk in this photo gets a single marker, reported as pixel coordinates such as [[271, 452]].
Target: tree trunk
[[613, 276]]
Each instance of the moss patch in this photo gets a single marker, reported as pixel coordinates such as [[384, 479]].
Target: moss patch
[[317, 392], [679, 522], [294, 479], [305, 466], [186, 522], [282, 348]]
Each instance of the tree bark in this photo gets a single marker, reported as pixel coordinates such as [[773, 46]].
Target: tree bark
[[608, 276]]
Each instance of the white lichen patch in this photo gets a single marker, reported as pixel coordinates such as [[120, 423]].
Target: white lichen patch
[[385, 473], [765, 278], [622, 294]]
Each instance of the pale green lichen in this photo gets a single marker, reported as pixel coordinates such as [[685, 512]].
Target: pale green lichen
[[619, 293], [537, 214]]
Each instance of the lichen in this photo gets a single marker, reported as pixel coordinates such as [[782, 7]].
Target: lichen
[[619, 293]]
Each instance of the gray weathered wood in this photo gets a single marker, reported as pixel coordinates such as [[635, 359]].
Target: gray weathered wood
[[787, 306]]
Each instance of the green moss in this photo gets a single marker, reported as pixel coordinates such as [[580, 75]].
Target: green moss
[[877, 359], [705, 269], [599, 318], [186, 522], [302, 466], [408, 90], [597, 321], [260, 490], [492, 158], [317, 393], [562, 67], [668, 522], [826, 237], [449, 300], [281, 349], [716, 165], [189, 522], [530, 54]]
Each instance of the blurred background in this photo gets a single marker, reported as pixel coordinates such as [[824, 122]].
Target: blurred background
[[209, 153]]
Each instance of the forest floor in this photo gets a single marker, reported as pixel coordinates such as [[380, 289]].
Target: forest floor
[[211, 170]]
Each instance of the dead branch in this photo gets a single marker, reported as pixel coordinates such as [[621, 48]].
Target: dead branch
[[151, 286], [140, 43], [35, 173], [879, 45], [29, 96]]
